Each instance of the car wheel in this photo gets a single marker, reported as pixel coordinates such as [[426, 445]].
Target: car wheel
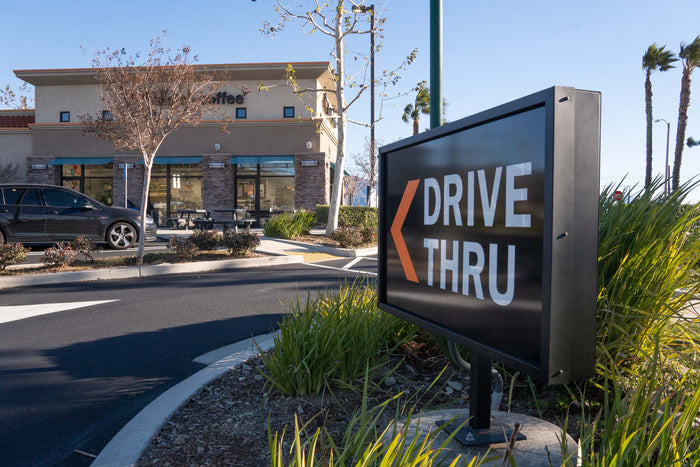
[[121, 236]]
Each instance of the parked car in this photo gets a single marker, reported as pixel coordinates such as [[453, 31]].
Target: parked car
[[44, 214]]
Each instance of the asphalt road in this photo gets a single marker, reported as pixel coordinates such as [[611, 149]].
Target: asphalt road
[[71, 379]]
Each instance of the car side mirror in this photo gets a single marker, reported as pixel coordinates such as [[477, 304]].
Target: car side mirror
[[88, 207]]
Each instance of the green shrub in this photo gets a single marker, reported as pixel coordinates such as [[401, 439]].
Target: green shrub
[[350, 237], [288, 225], [59, 255], [206, 240], [85, 247], [350, 216], [332, 340], [12, 253], [239, 243], [184, 250]]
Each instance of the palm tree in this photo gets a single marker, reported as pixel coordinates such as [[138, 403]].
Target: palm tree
[[420, 106], [661, 59], [690, 57]]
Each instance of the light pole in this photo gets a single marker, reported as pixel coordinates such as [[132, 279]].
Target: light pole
[[372, 159], [666, 168], [435, 63]]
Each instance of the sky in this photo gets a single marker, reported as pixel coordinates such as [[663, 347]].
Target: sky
[[493, 52]]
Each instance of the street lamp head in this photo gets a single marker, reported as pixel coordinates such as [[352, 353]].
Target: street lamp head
[[362, 8]]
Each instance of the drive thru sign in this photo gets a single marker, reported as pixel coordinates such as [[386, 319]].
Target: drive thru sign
[[488, 232]]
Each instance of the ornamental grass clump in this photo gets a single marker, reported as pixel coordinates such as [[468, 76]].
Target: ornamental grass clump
[[648, 422], [364, 443], [329, 342], [646, 278], [288, 225]]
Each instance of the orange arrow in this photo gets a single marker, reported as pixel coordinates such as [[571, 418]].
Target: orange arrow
[[399, 219]]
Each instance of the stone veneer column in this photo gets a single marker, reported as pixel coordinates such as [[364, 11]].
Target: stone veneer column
[[312, 184], [217, 183], [48, 176], [134, 180]]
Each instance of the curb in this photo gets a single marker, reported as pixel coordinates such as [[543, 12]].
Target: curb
[[345, 252], [144, 271], [126, 448]]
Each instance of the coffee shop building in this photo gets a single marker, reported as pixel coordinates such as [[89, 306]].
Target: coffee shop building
[[277, 153]]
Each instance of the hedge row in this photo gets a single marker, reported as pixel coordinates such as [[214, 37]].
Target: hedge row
[[349, 216]]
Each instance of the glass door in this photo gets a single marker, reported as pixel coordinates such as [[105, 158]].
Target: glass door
[[247, 197]]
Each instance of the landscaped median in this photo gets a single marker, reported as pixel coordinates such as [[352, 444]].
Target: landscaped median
[[129, 272]]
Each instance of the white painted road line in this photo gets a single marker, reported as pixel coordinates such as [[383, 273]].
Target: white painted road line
[[316, 265], [353, 262], [17, 312]]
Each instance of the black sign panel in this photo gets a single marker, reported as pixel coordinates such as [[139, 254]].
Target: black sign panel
[[486, 225]]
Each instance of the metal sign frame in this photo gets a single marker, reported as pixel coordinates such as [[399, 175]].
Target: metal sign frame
[[566, 125]]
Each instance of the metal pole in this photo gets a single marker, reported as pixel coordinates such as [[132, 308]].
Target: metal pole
[[667, 188], [480, 392], [126, 187], [372, 159], [435, 63]]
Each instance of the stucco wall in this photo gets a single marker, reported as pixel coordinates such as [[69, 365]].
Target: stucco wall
[[77, 99], [242, 138], [15, 148], [266, 104]]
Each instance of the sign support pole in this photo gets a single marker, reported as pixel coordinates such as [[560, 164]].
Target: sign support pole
[[477, 430], [480, 392]]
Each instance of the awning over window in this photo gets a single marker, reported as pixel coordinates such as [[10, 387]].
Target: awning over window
[[81, 161], [176, 160], [344, 171], [267, 161]]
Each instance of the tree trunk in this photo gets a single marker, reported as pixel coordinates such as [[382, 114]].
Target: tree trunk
[[682, 123], [148, 166], [337, 188], [647, 93], [416, 128]]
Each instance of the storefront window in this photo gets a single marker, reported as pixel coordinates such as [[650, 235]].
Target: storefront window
[[175, 187], [93, 180], [277, 194], [265, 188]]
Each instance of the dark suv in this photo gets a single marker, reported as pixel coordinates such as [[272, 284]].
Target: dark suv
[[41, 214]]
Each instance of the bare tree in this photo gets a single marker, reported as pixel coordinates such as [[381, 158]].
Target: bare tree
[[9, 172], [145, 102], [21, 99], [336, 20], [352, 185], [369, 169]]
